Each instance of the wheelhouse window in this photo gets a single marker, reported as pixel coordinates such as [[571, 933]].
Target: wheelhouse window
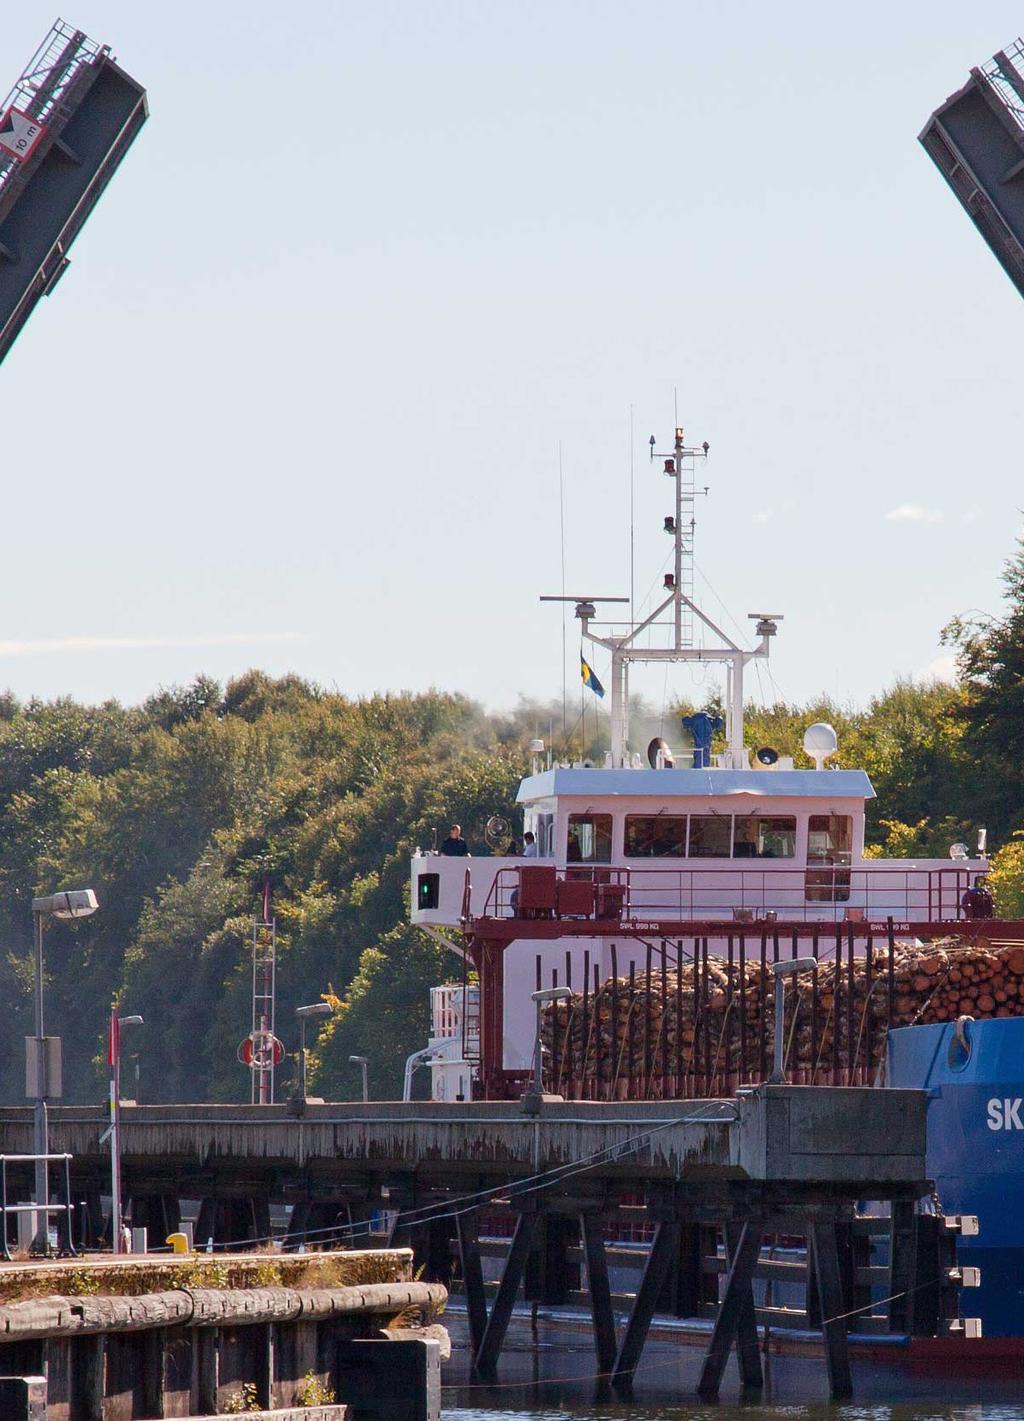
[[710, 836], [542, 826], [589, 839], [758, 836], [655, 836], [829, 838], [830, 848]]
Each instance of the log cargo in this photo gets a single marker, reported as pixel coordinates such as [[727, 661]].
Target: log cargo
[[705, 1025]]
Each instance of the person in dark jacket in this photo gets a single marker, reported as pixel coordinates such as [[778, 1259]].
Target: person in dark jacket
[[978, 902], [455, 845]]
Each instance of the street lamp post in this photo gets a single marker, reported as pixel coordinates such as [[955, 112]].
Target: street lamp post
[[77, 903], [363, 1062], [114, 1058], [315, 1009], [534, 1097], [782, 971]]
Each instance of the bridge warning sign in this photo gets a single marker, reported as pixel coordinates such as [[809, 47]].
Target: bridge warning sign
[[19, 134]]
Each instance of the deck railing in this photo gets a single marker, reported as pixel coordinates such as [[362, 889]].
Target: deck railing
[[826, 893]]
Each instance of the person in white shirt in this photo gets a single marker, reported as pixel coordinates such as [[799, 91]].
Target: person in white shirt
[[529, 846]]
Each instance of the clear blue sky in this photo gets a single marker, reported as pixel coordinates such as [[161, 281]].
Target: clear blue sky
[[299, 400]]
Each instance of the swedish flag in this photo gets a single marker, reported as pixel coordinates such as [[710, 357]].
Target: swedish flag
[[589, 678]]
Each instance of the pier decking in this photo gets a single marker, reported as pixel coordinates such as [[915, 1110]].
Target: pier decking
[[781, 1160]]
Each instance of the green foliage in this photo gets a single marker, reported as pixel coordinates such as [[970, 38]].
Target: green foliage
[[990, 662], [314, 1391], [384, 1015], [926, 839], [267, 1274], [82, 1283], [200, 1273], [175, 812], [246, 1398], [1006, 878]]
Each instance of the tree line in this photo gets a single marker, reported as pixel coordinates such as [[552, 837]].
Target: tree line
[[175, 811]]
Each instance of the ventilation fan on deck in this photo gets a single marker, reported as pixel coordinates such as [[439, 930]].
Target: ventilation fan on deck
[[497, 831]]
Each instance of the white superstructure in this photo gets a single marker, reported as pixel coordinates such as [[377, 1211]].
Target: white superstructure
[[738, 841]]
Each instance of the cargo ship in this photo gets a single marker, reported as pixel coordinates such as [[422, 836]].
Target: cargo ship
[[633, 951]]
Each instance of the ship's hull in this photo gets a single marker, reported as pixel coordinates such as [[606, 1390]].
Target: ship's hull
[[975, 1082]]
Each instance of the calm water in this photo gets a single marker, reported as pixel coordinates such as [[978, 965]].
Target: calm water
[[549, 1376]]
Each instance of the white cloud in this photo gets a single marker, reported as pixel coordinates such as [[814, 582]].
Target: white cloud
[[765, 516], [55, 645], [942, 668], [914, 513]]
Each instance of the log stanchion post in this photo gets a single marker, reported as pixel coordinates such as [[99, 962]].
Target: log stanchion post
[[598, 1035], [613, 1074], [851, 1043], [813, 1063], [762, 1006], [663, 1026], [680, 1087], [631, 1033], [742, 1073]]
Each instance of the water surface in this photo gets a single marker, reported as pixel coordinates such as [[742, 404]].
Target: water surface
[[549, 1375]]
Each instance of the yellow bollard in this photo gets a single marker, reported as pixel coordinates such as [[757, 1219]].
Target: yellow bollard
[[178, 1242]]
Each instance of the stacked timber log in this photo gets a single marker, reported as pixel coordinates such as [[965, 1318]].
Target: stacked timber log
[[705, 1025]]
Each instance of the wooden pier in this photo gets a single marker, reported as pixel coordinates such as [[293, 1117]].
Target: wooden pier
[[140, 1339], [778, 1162]]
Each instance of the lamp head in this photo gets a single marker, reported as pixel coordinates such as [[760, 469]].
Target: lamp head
[[798, 964], [360, 1060], [552, 994], [75, 903], [314, 1009], [130, 1021]]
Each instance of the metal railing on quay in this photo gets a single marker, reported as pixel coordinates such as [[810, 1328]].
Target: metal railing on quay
[[66, 1209]]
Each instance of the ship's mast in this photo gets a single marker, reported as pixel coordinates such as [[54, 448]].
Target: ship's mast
[[679, 603]]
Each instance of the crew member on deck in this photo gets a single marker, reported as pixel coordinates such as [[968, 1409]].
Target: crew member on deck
[[978, 902], [529, 846], [455, 845]]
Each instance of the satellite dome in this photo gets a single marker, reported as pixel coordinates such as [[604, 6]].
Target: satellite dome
[[820, 741]]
